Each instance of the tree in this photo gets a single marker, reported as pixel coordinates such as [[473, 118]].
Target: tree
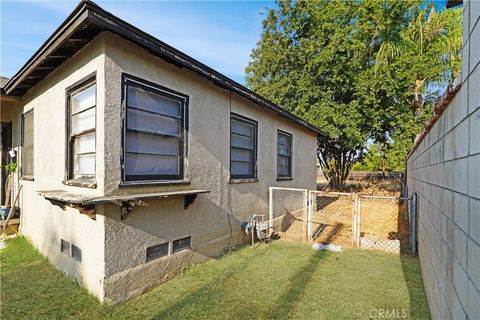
[[328, 62], [430, 48], [316, 59]]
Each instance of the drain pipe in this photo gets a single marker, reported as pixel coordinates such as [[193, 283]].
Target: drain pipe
[[413, 224]]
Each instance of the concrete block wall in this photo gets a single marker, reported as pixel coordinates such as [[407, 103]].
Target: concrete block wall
[[444, 170]]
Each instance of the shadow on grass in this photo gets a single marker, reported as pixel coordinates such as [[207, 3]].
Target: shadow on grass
[[205, 295], [416, 291], [411, 267], [286, 303]]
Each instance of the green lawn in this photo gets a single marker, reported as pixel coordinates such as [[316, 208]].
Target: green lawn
[[281, 280]]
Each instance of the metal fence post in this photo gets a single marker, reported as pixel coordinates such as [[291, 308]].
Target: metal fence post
[[270, 209], [356, 222], [359, 217], [305, 215], [413, 224], [309, 215]]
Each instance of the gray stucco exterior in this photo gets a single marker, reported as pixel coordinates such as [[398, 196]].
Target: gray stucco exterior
[[113, 265]]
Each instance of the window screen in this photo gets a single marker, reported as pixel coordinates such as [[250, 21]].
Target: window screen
[[82, 124], [182, 244], [158, 251], [243, 145], [154, 125], [27, 149], [284, 154]]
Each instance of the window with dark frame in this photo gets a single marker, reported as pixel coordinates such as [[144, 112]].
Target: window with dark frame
[[154, 132], [157, 251], [27, 144], [82, 132], [182, 244], [243, 147], [284, 155]]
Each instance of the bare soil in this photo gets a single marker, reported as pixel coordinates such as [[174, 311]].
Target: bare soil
[[381, 220]]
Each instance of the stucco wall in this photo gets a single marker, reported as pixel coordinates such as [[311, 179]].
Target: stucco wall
[[445, 172], [213, 221], [43, 223], [113, 250]]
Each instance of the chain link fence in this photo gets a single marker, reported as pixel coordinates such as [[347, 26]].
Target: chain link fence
[[288, 212], [331, 217], [347, 219], [383, 223]]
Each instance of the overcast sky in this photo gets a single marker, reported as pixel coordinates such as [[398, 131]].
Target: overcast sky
[[220, 34]]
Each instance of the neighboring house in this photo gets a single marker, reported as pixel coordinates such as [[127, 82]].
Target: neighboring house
[[136, 159], [444, 170]]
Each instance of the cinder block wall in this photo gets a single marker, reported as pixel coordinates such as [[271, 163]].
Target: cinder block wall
[[445, 172]]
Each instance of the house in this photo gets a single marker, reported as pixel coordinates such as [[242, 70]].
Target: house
[[135, 159]]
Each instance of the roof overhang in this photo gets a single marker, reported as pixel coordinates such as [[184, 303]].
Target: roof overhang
[[87, 21], [4, 99]]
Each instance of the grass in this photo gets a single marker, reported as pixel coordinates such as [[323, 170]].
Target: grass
[[281, 280]]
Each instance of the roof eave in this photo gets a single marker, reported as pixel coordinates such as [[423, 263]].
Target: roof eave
[[78, 15], [88, 12]]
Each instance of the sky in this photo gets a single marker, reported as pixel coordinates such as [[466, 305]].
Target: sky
[[220, 34]]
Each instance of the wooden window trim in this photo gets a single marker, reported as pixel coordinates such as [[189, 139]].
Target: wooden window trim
[[236, 178], [77, 87], [139, 180]]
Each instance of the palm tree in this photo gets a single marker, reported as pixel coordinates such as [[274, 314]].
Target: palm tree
[[431, 45]]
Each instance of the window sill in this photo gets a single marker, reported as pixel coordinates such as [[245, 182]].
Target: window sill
[[284, 178], [246, 180], [27, 178], [78, 183], [153, 183]]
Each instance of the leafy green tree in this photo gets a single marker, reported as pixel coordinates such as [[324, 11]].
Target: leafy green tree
[[427, 56], [342, 66], [372, 160]]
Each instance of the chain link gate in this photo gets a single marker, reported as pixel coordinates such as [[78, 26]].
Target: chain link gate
[[330, 217], [382, 223], [288, 212], [347, 219]]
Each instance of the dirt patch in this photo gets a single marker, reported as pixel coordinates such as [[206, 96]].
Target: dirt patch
[[332, 219], [382, 221]]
